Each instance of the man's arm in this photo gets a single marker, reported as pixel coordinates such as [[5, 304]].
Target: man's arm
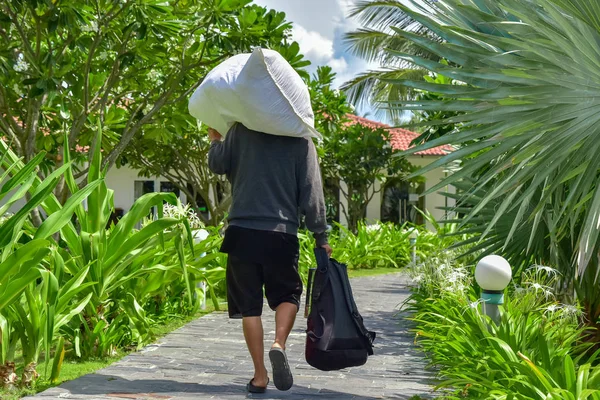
[[219, 155], [312, 199]]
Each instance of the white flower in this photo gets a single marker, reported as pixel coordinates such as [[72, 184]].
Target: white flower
[[571, 310], [21, 65], [373, 228], [154, 76], [17, 90], [336, 93], [537, 286], [552, 308], [549, 270], [92, 27], [352, 108]]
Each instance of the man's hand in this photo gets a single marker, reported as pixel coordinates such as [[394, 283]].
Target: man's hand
[[214, 135], [328, 249]]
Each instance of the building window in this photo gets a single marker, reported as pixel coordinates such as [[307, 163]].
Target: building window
[[169, 187], [141, 188], [400, 201]]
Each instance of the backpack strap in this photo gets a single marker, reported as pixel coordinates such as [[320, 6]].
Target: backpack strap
[[358, 320], [322, 259], [320, 277]]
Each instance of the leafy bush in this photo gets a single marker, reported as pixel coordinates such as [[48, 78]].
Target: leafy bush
[[377, 245], [534, 353], [80, 287]]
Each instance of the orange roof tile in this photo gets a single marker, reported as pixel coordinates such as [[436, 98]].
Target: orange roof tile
[[401, 138]]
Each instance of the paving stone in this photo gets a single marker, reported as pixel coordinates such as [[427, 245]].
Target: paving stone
[[207, 359]]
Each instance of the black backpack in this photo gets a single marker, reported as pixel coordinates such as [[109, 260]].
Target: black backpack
[[336, 336]]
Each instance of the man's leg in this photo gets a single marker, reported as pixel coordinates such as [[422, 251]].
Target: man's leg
[[253, 332], [245, 299], [284, 322]]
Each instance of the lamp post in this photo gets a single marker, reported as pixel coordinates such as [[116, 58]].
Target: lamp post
[[493, 274], [414, 234], [199, 236]]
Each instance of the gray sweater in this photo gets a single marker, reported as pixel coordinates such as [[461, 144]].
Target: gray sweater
[[273, 178]]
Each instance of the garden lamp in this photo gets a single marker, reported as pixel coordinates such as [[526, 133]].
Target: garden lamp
[[414, 234], [200, 235], [493, 274]]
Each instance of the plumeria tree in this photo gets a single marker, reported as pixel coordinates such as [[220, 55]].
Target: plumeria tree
[[66, 66], [353, 156]]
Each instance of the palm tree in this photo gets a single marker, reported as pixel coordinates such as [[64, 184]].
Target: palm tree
[[530, 127], [380, 19]]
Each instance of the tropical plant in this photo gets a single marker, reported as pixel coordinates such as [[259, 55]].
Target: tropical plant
[[371, 42], [535, 352], [60, 282], [353, 156], [529, 119]]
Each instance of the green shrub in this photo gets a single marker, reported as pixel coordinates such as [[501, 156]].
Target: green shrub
[[78, 287], [535, 352]]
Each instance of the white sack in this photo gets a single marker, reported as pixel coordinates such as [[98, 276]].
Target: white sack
[[260, 90]]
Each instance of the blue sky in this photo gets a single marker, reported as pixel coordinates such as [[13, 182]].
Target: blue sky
[[319, 28]]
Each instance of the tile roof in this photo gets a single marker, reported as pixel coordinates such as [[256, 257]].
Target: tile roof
[[401, 138]]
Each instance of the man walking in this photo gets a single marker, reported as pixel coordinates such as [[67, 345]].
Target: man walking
[[273, 178]]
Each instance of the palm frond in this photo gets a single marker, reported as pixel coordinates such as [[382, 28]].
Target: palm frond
[[374, 88], [532, 119], [383, 14]]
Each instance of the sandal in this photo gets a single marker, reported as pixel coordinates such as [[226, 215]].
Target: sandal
[[282, 374], [256, 389]]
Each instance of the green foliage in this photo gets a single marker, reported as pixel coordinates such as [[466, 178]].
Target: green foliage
[[534, 353], [131, 65], [353, 156], [528, 118], [381, 245], [428, 118], [82, 295]]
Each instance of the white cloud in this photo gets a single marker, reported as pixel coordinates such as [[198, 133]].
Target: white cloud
[[339, 65], [346, 6], [318, 49], [314, 45]]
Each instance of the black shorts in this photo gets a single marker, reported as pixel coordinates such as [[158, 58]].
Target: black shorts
[[260, 263]]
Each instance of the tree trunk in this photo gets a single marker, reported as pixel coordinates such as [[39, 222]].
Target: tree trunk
[[357, 206]]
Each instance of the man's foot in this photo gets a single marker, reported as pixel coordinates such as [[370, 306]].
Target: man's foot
[[252, 388], [282, 374]]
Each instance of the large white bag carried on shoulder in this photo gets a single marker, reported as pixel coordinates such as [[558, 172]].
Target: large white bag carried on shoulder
[[260, 90]]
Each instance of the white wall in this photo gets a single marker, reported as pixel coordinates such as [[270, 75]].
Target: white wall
[[374, 207], [432, 201], [121, 180]]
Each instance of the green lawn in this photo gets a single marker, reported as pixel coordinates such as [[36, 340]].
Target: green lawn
[[357, 273]]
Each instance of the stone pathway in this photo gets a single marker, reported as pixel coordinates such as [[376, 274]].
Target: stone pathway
[[207, 359]]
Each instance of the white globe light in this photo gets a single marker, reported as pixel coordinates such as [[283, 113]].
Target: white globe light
[[493, 273]]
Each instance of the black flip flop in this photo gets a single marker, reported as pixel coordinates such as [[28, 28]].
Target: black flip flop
[[282, 374], [256, 389]]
